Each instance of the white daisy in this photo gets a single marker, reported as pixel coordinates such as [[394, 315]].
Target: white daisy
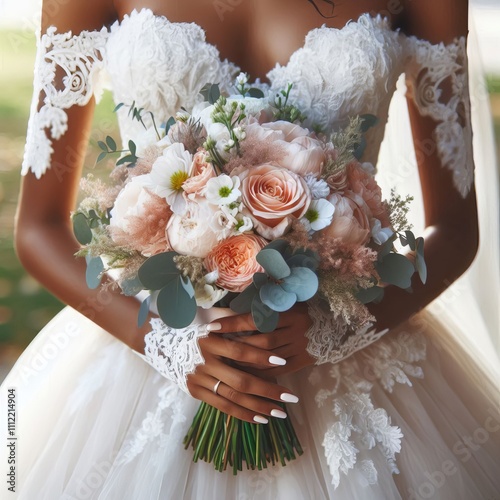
[[319, 215], [318, 187], [223, 190]]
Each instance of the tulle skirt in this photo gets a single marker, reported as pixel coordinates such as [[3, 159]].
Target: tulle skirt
[[411, 417]]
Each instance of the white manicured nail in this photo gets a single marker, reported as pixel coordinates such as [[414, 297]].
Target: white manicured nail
[[278, 414], [260, 420], [213, 327], [289, 398], [274, 360]]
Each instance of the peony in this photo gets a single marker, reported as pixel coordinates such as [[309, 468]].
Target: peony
[[200, 173], [273, 196], [235, 261], [302, 154], [169, 173], [361, 181], [351, 219], [192, 233]]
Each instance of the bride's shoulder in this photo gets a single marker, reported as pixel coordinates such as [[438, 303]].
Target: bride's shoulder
[[76, 16], [436, 22]]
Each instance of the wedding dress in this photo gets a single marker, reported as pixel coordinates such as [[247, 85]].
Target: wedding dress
[[409, 414]]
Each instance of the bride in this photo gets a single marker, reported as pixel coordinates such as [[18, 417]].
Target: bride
[[407, 412]]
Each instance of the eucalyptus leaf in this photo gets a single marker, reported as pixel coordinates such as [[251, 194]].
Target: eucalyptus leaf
[[253, 92], [306, 258], [274, 263], [144, 311], [403, 240], [386, 248], [170, 123], [131, 286], [373, 294], [132, 147], [278, 245], [368, 121], [111, 143], [101, 156], [277, 299], [118, 106], [302, 282], [158, 271], [260, 279], [265, 319], [126, 159], [396, 269], [102, 145], [211, 92], [420, 264], [82, 229], [93, 275], [175, 307], [411, 240], [360, 149], [242, 304]]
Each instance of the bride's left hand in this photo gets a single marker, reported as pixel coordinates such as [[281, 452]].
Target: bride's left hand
[[288, 341]]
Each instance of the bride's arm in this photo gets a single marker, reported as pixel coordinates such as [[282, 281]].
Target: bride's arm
[[46, 246]]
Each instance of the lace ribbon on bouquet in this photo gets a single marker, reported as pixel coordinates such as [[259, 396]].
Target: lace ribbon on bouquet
[[66, 73]]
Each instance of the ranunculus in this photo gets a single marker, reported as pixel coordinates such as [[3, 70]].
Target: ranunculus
[[273, 196], [193, 233], [302, 154], [200, 173], [351, 219], [130, 202], [364, 184], [235, 261]]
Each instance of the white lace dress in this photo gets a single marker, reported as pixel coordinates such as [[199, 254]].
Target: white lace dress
[[405, 415]]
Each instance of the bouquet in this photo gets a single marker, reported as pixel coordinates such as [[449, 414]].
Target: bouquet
[[238, 204]]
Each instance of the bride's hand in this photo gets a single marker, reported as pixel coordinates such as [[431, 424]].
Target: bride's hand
[[288, 341], [240, 394]]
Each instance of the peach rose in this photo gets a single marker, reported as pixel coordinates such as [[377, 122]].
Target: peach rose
[[302, 154], [364, 184], [351, 219], [273, 196], [199, 174], [235, 262]]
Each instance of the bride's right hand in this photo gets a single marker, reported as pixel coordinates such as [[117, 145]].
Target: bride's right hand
[[239, 394]]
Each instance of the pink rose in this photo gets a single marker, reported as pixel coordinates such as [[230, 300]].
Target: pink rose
[[351, 219], [200, 173], [364, 184], [302, 153], [235, 262], [273, 196]]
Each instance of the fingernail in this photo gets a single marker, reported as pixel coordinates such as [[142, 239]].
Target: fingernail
[[274, 360], [289, 398], [260, 420], [278, 414], [213, 327]]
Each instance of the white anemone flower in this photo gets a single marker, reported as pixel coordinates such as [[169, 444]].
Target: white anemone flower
[[318, 187], [168, 175], [222, 190], [319, 215]]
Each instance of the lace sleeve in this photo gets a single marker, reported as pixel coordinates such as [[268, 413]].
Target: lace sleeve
[[437, 80], [67, 71], [331, 340], [174, 353]]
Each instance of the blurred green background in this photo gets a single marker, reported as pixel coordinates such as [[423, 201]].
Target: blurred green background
[[24, 306]]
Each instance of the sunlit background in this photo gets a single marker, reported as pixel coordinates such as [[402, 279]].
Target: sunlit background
[[24, 306]]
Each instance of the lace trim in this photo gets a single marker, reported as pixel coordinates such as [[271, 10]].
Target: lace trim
[[360, 427], [79, 59], [174, 353], [331, 340], [432, 73]]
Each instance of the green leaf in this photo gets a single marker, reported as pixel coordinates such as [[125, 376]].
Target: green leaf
[[257, 93], [420, 264], [111, 143], [277, 299], [278, 245], [101, 156], [102, 145], [132, 147], [307, 258], [411, 240], [93, 275], [260, 279], [158, 271], [118, 106], [373, 294], [144, 311], [81, 229], [386, 248], [302, 282], [126, 159], [242, 304], [265, 319], [368, 121], [131, 286], [210, 92], [175, 306], [170, 123], [274, 263], [360, 149], [396, 269]]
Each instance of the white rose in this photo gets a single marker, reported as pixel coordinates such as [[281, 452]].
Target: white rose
[[130, 202], [192, 233]]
